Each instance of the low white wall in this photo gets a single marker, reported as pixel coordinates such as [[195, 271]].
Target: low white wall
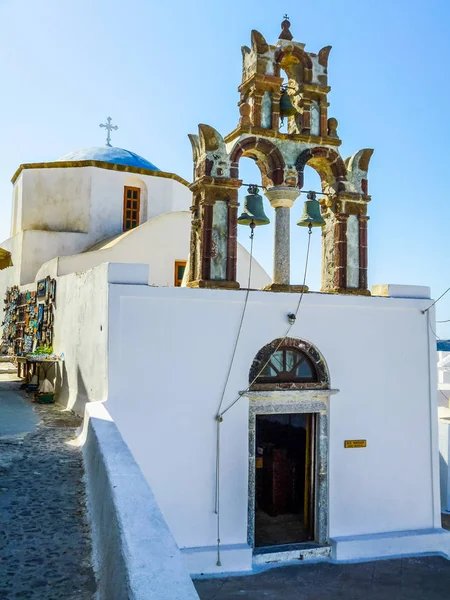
[[81, 334], [135, 555], [178, 343], [81, 331]]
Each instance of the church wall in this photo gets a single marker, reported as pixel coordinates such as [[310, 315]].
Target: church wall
[[56, 199], [167, 195], [158, 243], [10, 276], [160, 196], [40, 246], [88, 200], [61, 212], [16, 213], [378, 354]]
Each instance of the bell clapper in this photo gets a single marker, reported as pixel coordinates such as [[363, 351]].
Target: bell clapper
[[252, 229]]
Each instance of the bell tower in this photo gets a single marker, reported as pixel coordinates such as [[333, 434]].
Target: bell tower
[[280, 81]]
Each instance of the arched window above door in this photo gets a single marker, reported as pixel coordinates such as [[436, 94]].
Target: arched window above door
[[288, 364]]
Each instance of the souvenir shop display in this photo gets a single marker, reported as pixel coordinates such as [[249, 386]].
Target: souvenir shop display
[[29, 319]]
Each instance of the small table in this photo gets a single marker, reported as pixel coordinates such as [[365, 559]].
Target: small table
[[41, 365]]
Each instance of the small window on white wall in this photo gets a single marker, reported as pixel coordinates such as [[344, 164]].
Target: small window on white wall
[[180, 267], [131, 207], [315, 118]]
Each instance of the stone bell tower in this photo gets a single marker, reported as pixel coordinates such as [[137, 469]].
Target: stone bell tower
[[280, 81]]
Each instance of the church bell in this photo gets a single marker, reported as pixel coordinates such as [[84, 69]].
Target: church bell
[[286, 107], [312, 216], [253, 211]]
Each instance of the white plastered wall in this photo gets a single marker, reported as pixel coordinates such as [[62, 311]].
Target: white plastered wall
[[11, 275], [159, 196], [81, 334], [55, 199], [64, 211], [181, 341], [89, 199]]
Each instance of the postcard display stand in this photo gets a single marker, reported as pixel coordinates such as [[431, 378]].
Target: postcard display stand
[[29, 318]]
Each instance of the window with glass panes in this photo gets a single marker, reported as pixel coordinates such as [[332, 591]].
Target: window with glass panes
[[287, 365], [180, 266], [131, 207]]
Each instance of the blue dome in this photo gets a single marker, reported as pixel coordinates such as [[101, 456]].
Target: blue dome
[[117, 156]]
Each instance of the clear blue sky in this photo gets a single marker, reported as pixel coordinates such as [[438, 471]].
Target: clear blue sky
[[159, 69]]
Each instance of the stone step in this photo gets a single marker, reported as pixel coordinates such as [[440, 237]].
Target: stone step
[[295, 552]]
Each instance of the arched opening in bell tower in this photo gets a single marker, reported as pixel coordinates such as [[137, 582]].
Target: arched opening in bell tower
[[299, 237], [285, 104], [250, 173]]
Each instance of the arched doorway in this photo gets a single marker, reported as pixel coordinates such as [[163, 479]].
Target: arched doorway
[[288, 446]]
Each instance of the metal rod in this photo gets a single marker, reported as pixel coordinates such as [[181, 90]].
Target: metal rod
[[300, 192]]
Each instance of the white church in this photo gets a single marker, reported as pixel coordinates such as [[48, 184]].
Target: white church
[[97, 205], [271, 422]]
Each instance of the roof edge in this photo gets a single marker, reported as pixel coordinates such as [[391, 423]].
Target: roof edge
[[100, 164]]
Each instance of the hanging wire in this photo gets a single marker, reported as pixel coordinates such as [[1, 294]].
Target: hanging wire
[[283, 338], [263, 187], [435, 302], [217, 500], [219, 416], [447, 398], [434, 333], [446, 321], [242, 318]]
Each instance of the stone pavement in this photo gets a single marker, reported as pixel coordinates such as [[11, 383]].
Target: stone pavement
[[425, 578], [422, 578], [45, 546]]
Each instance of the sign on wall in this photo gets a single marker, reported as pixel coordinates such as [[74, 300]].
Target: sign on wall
[[355, 443]]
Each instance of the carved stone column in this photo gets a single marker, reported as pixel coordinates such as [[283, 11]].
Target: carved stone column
[[214, 233], [281, 199], [276, 110], [340, 251], [344, 247], [324, 118], [362, 220]]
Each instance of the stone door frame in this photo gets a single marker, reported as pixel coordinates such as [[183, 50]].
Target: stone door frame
[[291, 402]]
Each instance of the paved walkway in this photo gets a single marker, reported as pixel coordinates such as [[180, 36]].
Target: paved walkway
[[45, 547], [406, 579]]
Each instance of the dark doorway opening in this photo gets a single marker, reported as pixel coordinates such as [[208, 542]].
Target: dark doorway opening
[[284, 481]]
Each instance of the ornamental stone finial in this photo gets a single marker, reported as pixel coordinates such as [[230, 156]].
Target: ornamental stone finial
[[285, 31]]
